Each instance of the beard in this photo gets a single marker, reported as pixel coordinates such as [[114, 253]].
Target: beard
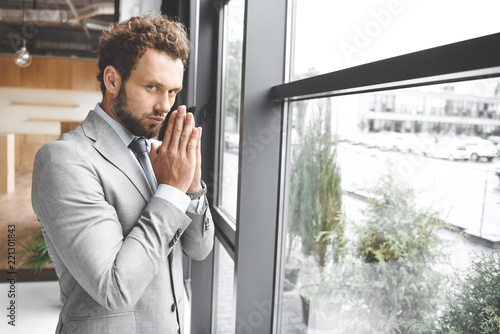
[[121, 109]]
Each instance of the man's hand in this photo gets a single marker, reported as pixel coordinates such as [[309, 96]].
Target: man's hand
[[175, 161], [196, 184]]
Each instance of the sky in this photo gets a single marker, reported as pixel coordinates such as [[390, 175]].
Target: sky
[[333, 34]]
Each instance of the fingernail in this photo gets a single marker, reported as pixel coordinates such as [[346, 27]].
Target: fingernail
[[189, 115]]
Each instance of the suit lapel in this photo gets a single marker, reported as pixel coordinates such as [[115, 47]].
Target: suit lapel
[[112, 148]]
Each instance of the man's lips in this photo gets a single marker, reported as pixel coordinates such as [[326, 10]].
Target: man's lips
[[156, 120]]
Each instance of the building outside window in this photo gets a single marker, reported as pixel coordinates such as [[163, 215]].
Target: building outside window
[[388, 199]]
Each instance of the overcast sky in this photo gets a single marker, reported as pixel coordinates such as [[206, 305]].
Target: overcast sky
[[334, 34]]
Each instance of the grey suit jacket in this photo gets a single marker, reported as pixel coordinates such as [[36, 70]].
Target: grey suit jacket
[[116, 248]]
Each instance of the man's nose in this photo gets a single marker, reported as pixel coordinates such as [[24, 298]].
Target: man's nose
[[163, 104]]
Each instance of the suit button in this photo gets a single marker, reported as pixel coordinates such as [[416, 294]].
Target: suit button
[[174, 307], [171, 244], [178, 233]]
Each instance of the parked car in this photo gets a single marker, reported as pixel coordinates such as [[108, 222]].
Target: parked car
[[381, 141], [425, 144], [480, 149], [369, 140], [406, 142], [356, 138], [451, 149], [494, 139]]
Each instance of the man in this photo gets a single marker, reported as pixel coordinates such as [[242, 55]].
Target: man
[[116, 232]]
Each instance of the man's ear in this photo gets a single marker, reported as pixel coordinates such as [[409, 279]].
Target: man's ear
[[112, 80]]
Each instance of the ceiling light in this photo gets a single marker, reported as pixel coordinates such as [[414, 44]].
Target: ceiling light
[[22, 57]]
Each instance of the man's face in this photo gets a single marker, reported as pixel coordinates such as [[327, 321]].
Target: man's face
[[147, 96]]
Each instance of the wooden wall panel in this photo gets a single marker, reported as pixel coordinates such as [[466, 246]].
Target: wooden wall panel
[[10, 73], [67, 126], [50, 73], [59, 74], [26, 147], [34, 76], [84, 75]]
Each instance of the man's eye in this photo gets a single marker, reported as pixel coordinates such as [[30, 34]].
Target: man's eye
[[152, 87]]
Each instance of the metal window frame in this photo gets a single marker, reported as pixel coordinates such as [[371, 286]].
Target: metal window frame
[[226, 225], [470, 59], [252, 244], [259, 201]]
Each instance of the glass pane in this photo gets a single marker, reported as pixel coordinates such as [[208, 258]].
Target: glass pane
[[333, 35], [392, 196], [231, 104], [224, 271]]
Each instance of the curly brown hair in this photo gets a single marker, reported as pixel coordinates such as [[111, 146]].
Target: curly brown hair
[[125, 43]]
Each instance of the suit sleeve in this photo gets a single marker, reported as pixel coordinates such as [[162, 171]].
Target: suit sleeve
[[197, 240], [69, 201]]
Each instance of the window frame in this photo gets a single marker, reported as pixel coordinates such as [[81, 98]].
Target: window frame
[[256, 212], [479, 58], [226, 225]]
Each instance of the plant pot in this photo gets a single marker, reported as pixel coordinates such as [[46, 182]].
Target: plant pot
[[320, 312], [306, 293]]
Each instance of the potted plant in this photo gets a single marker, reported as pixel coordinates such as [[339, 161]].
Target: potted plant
[[316, 199], [395, 283], [34, 254]]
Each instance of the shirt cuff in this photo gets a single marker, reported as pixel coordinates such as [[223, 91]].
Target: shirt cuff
[[181, 200], [174, 196], [198, 206]]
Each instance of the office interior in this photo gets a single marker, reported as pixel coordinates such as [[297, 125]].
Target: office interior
[[340, 150]]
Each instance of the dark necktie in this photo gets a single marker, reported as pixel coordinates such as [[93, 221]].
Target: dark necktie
[[138, 145]]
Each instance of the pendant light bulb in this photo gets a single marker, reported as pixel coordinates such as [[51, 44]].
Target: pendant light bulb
[[22, 57]]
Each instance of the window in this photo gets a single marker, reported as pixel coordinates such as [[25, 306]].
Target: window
[[376, 100], [224, 291], [331, 36], [383, 177], [376, 213], [230, 104], [231, 18]]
